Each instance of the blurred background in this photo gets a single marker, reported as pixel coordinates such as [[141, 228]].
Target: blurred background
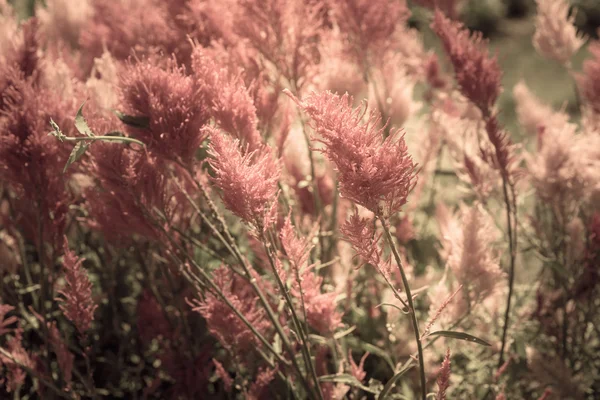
[[509, 25]]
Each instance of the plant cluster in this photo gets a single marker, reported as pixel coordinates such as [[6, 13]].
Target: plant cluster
[[195, 203]]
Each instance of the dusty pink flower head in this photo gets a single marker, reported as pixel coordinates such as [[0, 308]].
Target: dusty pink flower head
[[358, 371], [478, 75], [360, 233], [247, 179], [555, 35], [557, 169], [369, 24], [63, 20], [532, 113], [373, 171], [77, 303], [173, 104], [472, 258], [230, 102]]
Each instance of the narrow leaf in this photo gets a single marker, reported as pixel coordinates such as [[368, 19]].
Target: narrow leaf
[[460, 336], [137, 121], [348, 380], [81, 124], [390, 384], [76, 153]]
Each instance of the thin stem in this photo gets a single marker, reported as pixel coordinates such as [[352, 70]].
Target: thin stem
[[411, 306], [511, 272], [123, 139], [301, 334]]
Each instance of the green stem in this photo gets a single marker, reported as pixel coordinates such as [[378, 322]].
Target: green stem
[[411, 306], [122, 139], [511, 273]]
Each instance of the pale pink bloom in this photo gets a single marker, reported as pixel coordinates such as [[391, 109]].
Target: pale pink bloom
[[63, 20], [376, 172], [127, 27], [556, 169], [473, 259], [8, 29], [338, 72], [555, 35], [286, 33], [247, 179], [369, 24], [443, 380], [532, 113], [103, 81], [174, 105], [391, 91], [464, 140], [77, 303], [433, 317]]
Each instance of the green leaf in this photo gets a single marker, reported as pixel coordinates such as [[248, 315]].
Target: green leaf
[[390, 384], [460, 336], [81, 124], [348, 380], [137, 121], [76, 153]]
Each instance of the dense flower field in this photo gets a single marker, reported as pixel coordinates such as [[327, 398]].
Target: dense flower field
[[292, 199]]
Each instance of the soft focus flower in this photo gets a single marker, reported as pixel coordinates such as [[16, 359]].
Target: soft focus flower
[[247, 179], [174, 105], [448, 7], [532, 113], [555, 35], [472, 258], [556, 169], [589, 80], [478, 75], [77, 303], [374, 172], [369, 24], [230, 102], [62, 20]]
